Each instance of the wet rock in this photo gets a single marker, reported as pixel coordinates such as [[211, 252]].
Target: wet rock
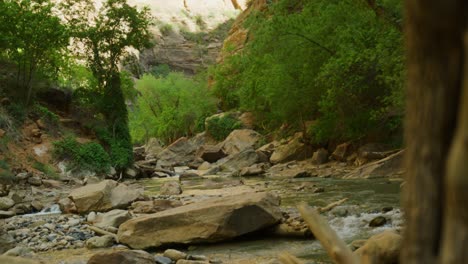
[[186, 176], [320, 156], [383, 248], [209, 220], [100, 242], [103, 196], [294, 149], [211, 153], [387, 209], [113, 218], [171, 188], [253, 170], [240, 140], [159, 174], [37, 205], [17, 260], [122, 257], [378, 221], [175, 254], [318, 190], [185, 261], [6, 203], [162, 260]]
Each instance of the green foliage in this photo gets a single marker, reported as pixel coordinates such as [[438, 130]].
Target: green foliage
[[48, 170], [6, 175], [336, 62], [161, 70], [50, 118], [170, 107], [166, 29], [34, 38], [87, 156], [220, 127]]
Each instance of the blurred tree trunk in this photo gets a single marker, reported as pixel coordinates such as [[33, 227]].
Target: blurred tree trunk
[[436, 192]]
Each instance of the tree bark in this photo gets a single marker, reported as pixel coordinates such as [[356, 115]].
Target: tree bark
[[434, 42]]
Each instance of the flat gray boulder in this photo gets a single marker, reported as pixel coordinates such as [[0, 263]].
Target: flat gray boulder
[[205, 221]]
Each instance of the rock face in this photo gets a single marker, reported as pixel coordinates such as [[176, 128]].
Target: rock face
[[383, 248], [206, 221], [122, 257], [103, 196], [294, 149], [391, 166], [239, 140]]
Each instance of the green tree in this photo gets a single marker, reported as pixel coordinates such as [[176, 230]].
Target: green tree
[[103, 37], [32, 36], [170, 107]]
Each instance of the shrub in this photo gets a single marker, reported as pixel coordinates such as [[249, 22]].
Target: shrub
[[87, 156], [166, 29], [220, 127], [48, 170], [51, 119]]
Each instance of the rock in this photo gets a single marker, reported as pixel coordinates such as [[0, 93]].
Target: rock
[[131, 173], [211, 153], [175, 254], [19, 251], [35, 180], [204, 166], [51, 183], [294, 149], [6, 214], [383, 248], [240, 140], [17, 260], [153, 148], [181, 152], [112, 218], [7, 242], [37, 205], [103, 196], [209, 220], [378, 221], [170, 188], [6, 203], [162, 260], [387, 209], [184, 261], [23, 176], [122, 257], [253, 170], [158, 174], [100, 242], [319, 190], [288, 170], [320, 156], [197, 257], [186, 176], [390, 166], [237, 161], [341, 152], [148, 207], [67, 206], [15, 197]]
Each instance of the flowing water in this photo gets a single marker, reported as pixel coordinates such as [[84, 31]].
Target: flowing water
[[367, 199]]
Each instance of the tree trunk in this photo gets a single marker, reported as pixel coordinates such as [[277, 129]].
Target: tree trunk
[[434, 41]]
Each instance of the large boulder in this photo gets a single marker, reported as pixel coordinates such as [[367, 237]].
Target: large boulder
[[390, 166], [170, 188], [294, 149], [122, 257], [153, 148], [320, 156], [210, 220], [383, 248], [236, 162], [211, 153], [240, 140], [112, 218], [103, 196], [181, 152]]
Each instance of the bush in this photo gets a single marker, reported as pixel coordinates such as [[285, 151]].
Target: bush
[[51, 119], [6, 176], [220, 127], [48, 170], [166, 29], [87, 156]]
